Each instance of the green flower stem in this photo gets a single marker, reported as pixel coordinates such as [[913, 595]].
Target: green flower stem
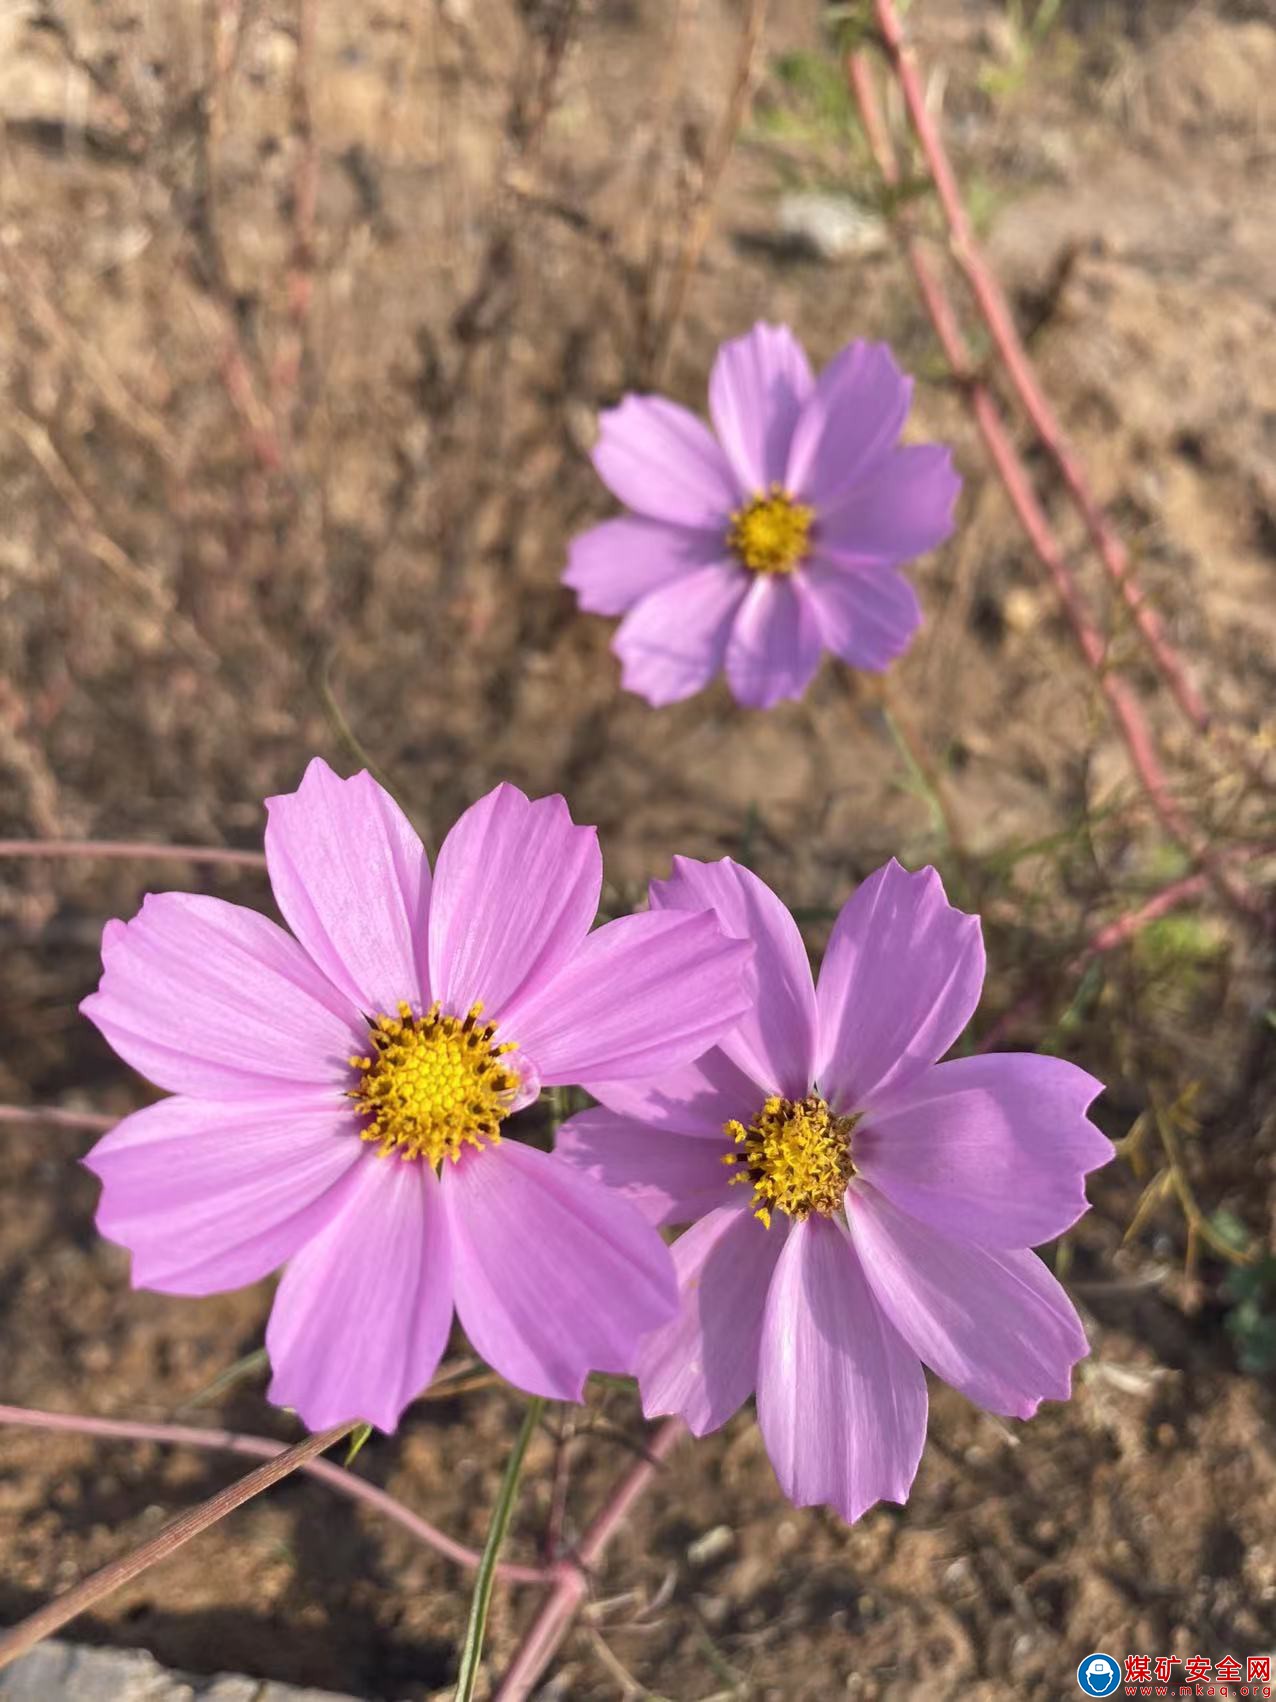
[[481, 1600]]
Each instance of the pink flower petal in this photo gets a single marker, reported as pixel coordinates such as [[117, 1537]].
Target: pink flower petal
[[210, 999], [555, 1276], [900, 980], [774, 1044], [674, 641], [351, 878], [212, 1197], [841, 1396], [699, 1098], [516, 889], [364, 1311], [668, 1178], [663, 463], [613, 566], [756, 391], [644, 994], [902, 509], [850, 423], [774, 647], [992, 1150], [997, 1326], [703, 1364], [866, 615]]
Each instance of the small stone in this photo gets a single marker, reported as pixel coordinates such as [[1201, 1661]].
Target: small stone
[[715, 1544], [831, 227], [1021, 609], [73, 1674]]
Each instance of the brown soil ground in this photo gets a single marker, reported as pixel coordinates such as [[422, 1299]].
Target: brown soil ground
[[218, 499]]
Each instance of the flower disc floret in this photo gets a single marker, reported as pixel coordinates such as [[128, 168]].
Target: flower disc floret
[[797, 1155], [772, 533], [433, 1084]]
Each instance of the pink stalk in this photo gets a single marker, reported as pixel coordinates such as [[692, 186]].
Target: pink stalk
[[1120, 931], [95, 1120], [1116, 933], [228, 1441], [130, 848], [1009, 466], [992, 304], [1124, 928], [552, 1623]]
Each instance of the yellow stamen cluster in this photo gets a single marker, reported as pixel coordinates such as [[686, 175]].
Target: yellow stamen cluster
[[797, 1155], [433, 1084], [771, 534]]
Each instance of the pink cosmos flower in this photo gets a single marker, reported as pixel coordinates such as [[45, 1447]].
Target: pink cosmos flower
[[340, 1093], [759, 549], [888, 1199]]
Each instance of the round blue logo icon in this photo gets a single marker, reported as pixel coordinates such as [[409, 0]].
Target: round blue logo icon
[[1099, 1675]]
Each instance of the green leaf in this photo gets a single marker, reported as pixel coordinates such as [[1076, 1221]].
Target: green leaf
[[357, 1440], [481, 1600], [1228, 1227], [1252, 1282]]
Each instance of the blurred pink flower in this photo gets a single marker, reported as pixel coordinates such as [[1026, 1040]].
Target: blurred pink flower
[[323, 1078], [901, 1194], [759, 549]]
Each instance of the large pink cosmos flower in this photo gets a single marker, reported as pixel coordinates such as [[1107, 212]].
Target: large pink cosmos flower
[[888, 1201], [779, 539], [340, 1094]]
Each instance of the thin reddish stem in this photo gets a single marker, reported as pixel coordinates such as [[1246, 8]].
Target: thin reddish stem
[[125, 848], [553, 1622], [1120, 931], [1122, 703], [1005, 336], [1123, 928], [231, 1442], [95, 1120], [107, 1579]]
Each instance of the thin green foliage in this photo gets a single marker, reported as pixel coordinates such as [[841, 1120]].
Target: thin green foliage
[[239, 1372], [1251, 1320], [357, 1440], [1027, 32], [485, 1577]]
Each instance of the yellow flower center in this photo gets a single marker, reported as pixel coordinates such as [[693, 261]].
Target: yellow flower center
[[796, 1154], [432, 1084], [771, 533]]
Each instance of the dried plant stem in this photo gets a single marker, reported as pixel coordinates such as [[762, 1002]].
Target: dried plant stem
[[300, 277], [1198, 1224], [552, 1623], [698, 217], [84, 356], [93, 1589], [1001, 326], [126, 848], [1124, 706], [232, 1442], [239, 368], [102, 547]]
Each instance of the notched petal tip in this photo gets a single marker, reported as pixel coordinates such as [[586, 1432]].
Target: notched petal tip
[[316, 773]]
